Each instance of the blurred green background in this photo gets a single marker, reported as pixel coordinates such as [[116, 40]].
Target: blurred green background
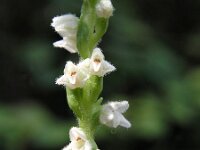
[[155, 45]]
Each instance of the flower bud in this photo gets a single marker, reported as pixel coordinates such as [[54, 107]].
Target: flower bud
[[104, 8]]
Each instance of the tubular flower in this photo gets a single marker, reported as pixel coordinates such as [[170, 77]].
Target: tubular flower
[[66, 26], [73, 77], [78, 140], [104, 8], [111, 114], [96, 65]]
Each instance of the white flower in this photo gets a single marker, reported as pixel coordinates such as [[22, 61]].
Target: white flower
[[104, 8], [96, 65], [73, 77], [78, 140], [66, 26], [111, 114]]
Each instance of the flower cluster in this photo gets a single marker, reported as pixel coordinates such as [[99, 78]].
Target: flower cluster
[[80, 76], [75, 76]]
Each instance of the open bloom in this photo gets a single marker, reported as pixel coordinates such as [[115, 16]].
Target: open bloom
[[111, 114], [73, 77], [96, 65], [78, 140], [66, 26], [104, 8]]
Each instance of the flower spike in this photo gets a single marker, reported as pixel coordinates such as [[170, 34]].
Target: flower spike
[[84, 81]]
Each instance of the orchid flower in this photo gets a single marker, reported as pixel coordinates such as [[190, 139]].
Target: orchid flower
[[78, 140], [97, 65], [111, 114], [66, 26], [73, 77]]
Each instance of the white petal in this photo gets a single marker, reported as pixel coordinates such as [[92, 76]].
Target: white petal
[[84, 66], [111, 114], [73, 77], [116, 120], [109, 117], [75, 133], [68, 19], [72, 80], [96, 66], [124, 122], [82, 78], [67, 44], [97, 53], [61, 80], [120, 106], [70, 67], [78, 144], [107, 68], [87, 146], [66, 32], [66, 26], [68, 147], [96, 59], [106, 114]]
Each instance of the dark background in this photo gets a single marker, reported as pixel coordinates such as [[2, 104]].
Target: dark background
[[155, 45]]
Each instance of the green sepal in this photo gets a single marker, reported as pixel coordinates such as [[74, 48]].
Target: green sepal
[[93, 88], [90, 118], [74, 97], [91, 28], [86, 28], [101, 27], [96, 109], [83, 40]]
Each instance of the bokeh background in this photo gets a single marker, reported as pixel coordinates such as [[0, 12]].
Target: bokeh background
[[155, 45]]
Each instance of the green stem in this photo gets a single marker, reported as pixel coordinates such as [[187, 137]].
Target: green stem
[[86, 28], [91, 28], [84, 102]]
